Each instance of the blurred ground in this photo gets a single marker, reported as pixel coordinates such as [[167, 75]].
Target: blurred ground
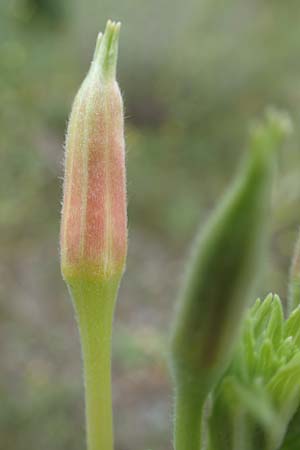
[[193, 77]]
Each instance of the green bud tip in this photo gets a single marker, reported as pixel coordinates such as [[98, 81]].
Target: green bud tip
[[268, 134], [106, 51], [98, 42]]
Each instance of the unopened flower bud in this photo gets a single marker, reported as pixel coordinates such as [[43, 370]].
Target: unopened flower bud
[[93, 227], [93, 230], [219, 285], [227, 259]]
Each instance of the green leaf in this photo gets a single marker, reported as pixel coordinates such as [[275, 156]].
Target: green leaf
[[285, 384], [248, 348], [262, 315], [292, 325], [275, 326], [287, 350], [266, 361]]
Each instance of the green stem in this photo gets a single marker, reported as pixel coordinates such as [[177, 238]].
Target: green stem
[[188, 420], [94, 304]]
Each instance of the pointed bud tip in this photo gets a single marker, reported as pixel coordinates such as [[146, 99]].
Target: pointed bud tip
[[268, 134], [106, 52], [112, 31], [280, 120], [98, 42]]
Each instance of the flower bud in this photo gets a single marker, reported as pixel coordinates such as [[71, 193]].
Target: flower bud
[[227, 259], [93, 227], [219, 284]]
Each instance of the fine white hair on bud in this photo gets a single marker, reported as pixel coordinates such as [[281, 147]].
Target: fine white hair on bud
[[93, 226]]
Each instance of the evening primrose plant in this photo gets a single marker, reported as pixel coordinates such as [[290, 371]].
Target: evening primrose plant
[[235, 365]]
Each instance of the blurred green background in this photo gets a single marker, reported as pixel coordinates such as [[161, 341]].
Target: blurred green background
[[194, 75]]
